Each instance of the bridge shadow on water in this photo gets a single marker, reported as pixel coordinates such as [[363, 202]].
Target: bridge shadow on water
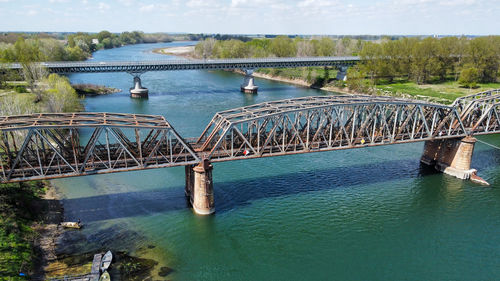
[[235, 194]]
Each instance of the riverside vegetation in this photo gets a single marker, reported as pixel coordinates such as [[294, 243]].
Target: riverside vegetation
[[18, 47], [21, 206], [437, 69]]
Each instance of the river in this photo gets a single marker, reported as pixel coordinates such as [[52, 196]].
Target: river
[[363, 214]]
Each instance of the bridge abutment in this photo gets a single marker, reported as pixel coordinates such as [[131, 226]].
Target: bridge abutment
[[138, 91], [199, 188], [342, 73], [451, 156], [248, 85]]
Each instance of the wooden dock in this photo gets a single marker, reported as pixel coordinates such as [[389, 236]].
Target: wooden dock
[[96, 265], [93, 276]]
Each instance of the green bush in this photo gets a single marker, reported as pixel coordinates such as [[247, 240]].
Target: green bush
[[469, 77], [20, 89]]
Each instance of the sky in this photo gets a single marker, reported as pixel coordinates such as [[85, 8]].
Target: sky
[[405, 17]]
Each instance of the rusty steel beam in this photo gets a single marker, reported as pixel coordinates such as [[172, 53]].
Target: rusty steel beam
[[52, 145], [324, 123], [45, 146]]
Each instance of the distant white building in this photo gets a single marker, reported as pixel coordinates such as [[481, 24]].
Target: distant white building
[[95, 41]]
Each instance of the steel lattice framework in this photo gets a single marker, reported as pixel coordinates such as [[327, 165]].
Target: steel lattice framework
[[165, 65], [324, 123], [480, 112], [45, 146]]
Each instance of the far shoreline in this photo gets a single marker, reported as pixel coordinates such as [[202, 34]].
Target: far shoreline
[[187, 52]]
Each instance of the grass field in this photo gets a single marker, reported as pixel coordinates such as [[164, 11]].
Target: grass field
[[445, 92]]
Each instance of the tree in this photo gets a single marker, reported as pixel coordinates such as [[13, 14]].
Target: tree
[[356, 81], [107, 43], [205, 49], [103, 35], [326, 47], [60, 96], [305, 49], [469, 76], [33, 73], [482, 53], [282, 46]]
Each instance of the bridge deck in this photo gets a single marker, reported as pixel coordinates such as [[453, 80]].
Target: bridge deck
[[165, 65]]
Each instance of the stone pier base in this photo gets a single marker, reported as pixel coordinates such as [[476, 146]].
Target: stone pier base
[[138, 91], [248, 85], [451, 156], [199, 188], [342, 73]]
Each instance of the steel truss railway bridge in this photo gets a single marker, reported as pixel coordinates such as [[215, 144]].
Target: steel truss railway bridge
[[136, 68], [46, 146]]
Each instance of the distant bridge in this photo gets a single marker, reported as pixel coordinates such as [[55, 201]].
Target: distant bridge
[[44, 146], [208, 64], [136, 68]]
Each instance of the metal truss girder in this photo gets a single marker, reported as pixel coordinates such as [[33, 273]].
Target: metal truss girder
[[116, 143], [324, 123], [169, 65]]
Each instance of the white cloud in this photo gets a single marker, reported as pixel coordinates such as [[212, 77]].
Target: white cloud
[[235, 3], [31, 12], [127, 2], [102, 7], [147, 8], [203, 3], [317, 3], [58, 1], [457, 2]]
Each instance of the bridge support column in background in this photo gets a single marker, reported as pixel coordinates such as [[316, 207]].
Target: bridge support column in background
[[138, 91], [452, 157], [248, 85], [342, 73], [199, 188]]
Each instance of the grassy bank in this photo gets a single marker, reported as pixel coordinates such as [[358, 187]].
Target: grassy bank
[[319, 77], [445, 92], [20, 209]]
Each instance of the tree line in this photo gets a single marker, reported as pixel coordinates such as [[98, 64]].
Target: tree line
[[280, 46], [422, 60], [73, 47], [431, 60]]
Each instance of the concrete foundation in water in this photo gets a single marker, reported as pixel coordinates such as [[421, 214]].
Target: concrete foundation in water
[[199, 188], [138, 91], [248, 85], [452, 157]]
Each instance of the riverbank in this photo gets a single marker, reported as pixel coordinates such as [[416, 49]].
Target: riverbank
[[24, 211], [302, 83], [444, 93], [93, 90], [48, 231], [182, 51]]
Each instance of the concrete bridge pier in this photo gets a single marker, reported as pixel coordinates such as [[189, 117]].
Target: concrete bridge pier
[[248, 85], [452, 157], [342, 73], [138, 91], [199, 188]]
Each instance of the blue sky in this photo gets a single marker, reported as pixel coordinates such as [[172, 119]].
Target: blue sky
[[255, 16]]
